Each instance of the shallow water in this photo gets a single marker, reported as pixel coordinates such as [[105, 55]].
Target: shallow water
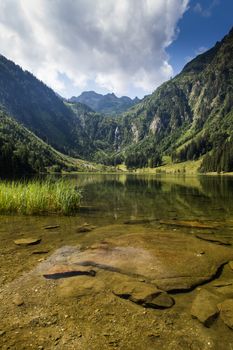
[[117, 205]]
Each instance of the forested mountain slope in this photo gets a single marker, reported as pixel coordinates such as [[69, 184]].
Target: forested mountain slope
[[186, 117], [22, 152], [38, 108]]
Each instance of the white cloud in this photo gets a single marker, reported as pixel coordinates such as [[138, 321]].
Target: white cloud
[[205, 12], [200, 50], [197, 52], [120, 45]]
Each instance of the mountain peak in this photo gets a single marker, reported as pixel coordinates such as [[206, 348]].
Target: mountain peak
[[109, 104]]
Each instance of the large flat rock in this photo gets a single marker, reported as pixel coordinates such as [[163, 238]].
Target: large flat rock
[[170, 260]]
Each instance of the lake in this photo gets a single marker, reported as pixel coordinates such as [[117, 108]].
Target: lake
[[126, 271]]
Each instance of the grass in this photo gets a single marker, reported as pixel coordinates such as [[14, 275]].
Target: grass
[[39, 197], [188, 168]]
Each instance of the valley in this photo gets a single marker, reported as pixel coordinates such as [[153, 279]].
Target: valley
[[187, 118]]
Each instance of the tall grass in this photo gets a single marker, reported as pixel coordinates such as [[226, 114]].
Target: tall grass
[[39, 197]]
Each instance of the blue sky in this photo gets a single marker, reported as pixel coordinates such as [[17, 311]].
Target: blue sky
[[128, 47], [199, 29]]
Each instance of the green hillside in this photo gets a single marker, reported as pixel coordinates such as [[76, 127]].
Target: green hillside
[[42, 111], [185, 118], [22, 152]]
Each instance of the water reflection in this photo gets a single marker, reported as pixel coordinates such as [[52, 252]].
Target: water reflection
[[124, 196]]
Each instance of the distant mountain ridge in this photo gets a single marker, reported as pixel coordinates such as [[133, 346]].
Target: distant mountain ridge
[[108, 104]]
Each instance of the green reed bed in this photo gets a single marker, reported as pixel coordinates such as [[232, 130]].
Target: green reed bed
[[39, 197]]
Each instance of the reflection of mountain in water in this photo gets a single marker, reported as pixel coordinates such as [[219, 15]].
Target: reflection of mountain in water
[[159, 197]]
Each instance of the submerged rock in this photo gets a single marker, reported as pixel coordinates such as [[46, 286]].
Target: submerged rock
[[51, 227], [219, 284], [213, 239], [191, 223], [226, 290], [159, 258], [204, 307], [40, 252], [161, 301], [80, 287], [85, 228], [64, 271], [27, 241], [226, 312], [231, 264], [143, 294], [18, 300]]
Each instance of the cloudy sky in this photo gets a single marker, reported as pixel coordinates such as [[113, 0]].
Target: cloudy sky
[[124, 46]]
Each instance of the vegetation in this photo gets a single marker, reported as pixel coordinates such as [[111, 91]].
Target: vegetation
[[190, 117], [41, 110], [143, 156], [39, 198], [220, 159], [21, 152], [185, 118]]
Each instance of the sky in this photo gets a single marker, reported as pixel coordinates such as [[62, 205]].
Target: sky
[[128, 47]]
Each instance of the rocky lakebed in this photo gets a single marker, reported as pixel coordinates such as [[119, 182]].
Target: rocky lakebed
[[135, 285]]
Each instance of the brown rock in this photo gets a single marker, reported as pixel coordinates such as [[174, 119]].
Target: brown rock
[[144, 294], [18, 300], [190, 223], [85, 228], [27, 241], [51, 227], [38, 252], [213, 239], [64, 271], [226, 312], [204, 307], [136, 291], [226, 290], [159, 258], [80, 287], [219, 284], [231, 264], [161, 301]]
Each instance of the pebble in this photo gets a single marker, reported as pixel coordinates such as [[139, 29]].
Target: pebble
[[27, 241], [18, 300]]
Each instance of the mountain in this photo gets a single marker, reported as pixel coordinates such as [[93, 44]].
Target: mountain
[[108, 104], [41, 110], [22, 152], [188, 117]]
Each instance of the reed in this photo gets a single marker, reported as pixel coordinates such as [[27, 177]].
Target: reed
[[39, 197]]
